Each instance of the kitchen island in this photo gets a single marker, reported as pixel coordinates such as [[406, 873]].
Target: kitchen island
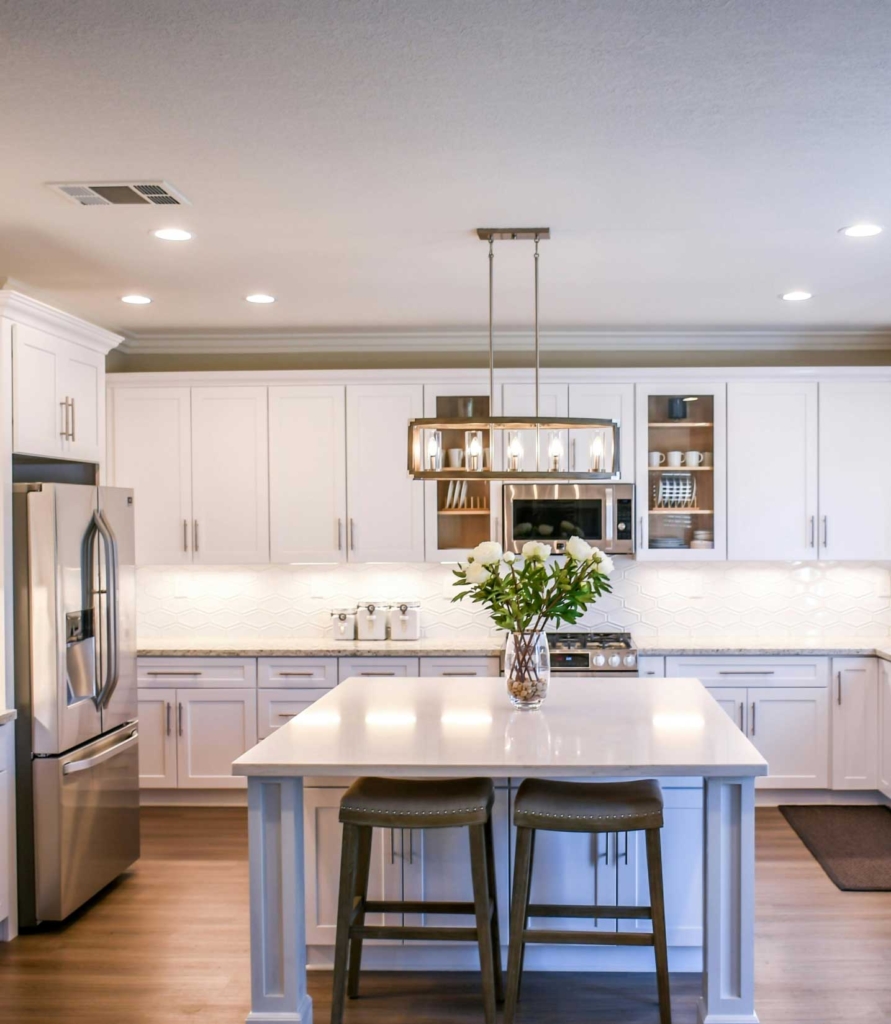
[[618, 728]]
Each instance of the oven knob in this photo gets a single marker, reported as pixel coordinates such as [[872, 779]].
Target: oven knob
[[630, 659], [614, 661], [598, 661], [623, 526]]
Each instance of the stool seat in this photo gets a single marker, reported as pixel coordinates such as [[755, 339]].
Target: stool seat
[[417, 803], [588, 806]]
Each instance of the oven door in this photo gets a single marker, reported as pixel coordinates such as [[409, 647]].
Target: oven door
[[600, 514]]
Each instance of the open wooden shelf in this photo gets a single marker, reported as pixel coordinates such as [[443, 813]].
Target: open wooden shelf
[[681, 469], [463, 512], [682, 511], [681, 423]]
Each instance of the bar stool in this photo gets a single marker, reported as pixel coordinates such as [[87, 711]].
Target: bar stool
[[586, 807], [408, 803]]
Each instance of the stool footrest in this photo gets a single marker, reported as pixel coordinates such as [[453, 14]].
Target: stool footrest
[[550, 936], [416, 907], [574, 910], [429, 934]]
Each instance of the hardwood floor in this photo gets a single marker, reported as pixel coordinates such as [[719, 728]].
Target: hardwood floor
[[169, 944]]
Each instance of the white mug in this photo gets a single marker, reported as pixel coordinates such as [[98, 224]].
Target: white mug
[[675, 459], [656, 458], [693, 458], [455, 457], [706, 458]]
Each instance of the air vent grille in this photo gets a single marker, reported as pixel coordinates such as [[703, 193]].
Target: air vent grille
[[121, 193]]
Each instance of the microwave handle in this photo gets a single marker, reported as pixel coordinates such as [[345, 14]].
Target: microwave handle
[[609, 530]]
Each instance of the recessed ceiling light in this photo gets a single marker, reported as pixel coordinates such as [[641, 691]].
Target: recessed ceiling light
[[173, 234], [861, 230], [260, 297], [796, 296], [136, 300]]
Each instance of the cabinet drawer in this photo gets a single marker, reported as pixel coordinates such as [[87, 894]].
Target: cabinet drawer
[[651, 665], [289, 672], [194, 672], [376, 667], [276, 707], [460, 666], [751, 671]]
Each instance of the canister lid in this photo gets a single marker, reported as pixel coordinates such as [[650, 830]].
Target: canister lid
[[347, 609], [413, 603], [375, 603]]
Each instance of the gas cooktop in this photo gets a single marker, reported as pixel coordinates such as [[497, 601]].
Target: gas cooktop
[[590, 653]]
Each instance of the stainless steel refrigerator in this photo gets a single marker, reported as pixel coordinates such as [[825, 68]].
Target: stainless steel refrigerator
[[75, 677]]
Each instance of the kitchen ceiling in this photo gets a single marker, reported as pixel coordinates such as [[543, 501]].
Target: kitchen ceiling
[[693, 159]]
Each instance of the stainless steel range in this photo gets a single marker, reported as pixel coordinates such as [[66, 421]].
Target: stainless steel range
[[588, 654]]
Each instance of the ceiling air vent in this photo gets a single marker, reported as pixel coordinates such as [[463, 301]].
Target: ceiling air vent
[[121, 193]]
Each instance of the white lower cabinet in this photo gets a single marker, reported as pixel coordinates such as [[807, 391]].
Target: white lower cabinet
[[5, 834], [855, 723], [214, 727], [444, 667], [650, 665], [276, 707], [157, 739], [376, 667], [884, 773], [781, 704]]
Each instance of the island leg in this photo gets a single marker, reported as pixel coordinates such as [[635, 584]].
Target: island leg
[[728, 976], [278, 932]]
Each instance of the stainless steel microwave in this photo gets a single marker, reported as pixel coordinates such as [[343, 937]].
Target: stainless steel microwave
[[601, 514]]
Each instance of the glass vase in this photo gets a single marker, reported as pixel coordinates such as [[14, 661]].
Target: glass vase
[[527, 668]]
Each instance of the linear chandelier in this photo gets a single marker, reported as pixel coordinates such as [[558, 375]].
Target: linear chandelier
[[513, 447]]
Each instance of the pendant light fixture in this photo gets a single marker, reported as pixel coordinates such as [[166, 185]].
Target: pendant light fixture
[[514, 447]]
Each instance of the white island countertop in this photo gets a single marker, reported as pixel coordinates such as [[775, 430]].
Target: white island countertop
[[7, 716], [418, 727]]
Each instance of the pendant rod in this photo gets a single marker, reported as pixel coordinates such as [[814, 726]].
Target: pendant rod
[[491, 322], [537, 354]]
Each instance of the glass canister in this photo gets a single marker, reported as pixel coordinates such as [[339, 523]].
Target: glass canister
[[371, 620], [405, 620], [343, 623]]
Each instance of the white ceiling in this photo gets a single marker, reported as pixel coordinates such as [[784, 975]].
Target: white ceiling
[[693, 158]]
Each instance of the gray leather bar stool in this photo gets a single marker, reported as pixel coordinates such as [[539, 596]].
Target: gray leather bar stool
[[408, 803], [586, 807]]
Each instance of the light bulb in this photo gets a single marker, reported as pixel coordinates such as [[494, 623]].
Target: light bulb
[[476, 446], [597, 453], [555, 452], [514, 451], [433, 450]]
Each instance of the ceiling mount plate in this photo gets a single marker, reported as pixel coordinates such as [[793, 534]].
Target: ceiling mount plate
[[513, 234]]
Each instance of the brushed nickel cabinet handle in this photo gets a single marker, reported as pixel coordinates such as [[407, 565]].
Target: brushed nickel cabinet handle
[[185, 535], [377, 673], [286, 714], [64, 431], [195, 535], [470, 673], [352, 535], [753, 718], [825, 531], [746, 672], [340, 535], [175, 672], [73, 427], [741, 724], [301, 675], [813, 530], [167, 706], [179, 719], [839, 689]]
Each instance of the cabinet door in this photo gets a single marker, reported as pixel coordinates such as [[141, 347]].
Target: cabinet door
[[150, 450], [790, 728], [322, 845], [214, 727], [519, 400], [230, 476], [855, 723], [5, 808], [307, 474], [385, 506], [157, 739], [771, 471], [83, 383], [681, 869], [37, 414], [733, 701], [650, 665], [604, 401], [885, 728], [855, 472], [436, 866]]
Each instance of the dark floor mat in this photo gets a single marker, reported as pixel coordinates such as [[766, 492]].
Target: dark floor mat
[[851, 844]]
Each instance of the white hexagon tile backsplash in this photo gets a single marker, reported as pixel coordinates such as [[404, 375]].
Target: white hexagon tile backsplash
[[768, 599]]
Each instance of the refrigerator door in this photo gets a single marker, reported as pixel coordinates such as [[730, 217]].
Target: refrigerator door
[[118, 695], [55, 677], [86, 821]]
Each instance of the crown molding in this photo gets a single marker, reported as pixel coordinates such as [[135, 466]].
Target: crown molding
[[465, 340], [22, 309]]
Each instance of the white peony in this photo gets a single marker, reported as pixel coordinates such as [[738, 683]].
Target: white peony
[[536, 551], [578, 549], [487, 553], [605, 565], [509, 557], [477, 573]]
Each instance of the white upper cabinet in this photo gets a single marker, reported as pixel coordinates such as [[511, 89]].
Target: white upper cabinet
[[307, 473], [519, 400], [771, 471], [150, 450], [604, 401], [230, 476], [855, 471], [385, 506], [855, 723], [58, 396]]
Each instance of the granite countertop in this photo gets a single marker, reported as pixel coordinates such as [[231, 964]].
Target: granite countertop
[[491, 646], [322, 647], [7, 716]]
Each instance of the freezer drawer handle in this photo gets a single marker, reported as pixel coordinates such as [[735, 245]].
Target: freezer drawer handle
[[91, 762]]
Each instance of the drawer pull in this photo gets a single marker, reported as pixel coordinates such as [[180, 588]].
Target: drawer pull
[[303, 675], [747, 672], [377, 673], [469, 673], [287, 714], [171, 672]]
